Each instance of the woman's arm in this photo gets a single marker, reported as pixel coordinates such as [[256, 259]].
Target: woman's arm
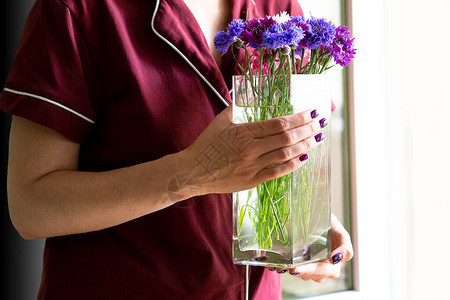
[[49, 197]]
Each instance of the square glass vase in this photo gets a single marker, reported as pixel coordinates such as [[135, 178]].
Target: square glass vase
[[284, 222]]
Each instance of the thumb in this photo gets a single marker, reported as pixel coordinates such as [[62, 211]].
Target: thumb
[[341, 243], [340, 254]]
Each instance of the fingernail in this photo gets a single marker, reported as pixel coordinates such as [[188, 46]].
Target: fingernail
[[336, 258], [319, 137], [323, 123], [282, 272], [295, 274], [304, 157], [314, 114], [271, 269]]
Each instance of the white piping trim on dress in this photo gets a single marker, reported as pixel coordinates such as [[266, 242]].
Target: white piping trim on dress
[[48, 101], [212, 88], [247, 281], [183, 56]]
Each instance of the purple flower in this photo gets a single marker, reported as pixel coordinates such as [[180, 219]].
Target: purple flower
[[320, 33], [278, 36], [235, 28], [342, 48], [298, 20], [302, 23], [267, 22], [254, 30], [271, 38], [223, 40], [293, 34]]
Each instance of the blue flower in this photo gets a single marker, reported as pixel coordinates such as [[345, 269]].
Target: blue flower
[[223, 40], [293, 35], [298, 20], [278, 36], [235, 28], [320, 33], [271, 38]]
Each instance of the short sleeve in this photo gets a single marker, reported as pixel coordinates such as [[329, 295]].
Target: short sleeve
[[53, 81]]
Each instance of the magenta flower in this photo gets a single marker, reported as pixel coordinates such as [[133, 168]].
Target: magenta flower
[[254, 30], [255, 60], [342, 48]]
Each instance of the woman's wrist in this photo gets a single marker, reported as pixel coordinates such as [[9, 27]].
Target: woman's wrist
[[183, 177]]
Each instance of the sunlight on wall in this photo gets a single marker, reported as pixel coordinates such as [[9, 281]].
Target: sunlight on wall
[[425, 95], [402, 90]]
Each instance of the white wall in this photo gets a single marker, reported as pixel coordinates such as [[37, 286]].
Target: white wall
[[402, 94], [425, 97]]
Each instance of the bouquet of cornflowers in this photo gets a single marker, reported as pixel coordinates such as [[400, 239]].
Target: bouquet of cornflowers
[[282, 44], [268, 51]]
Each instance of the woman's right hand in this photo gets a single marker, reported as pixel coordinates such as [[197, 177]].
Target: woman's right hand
[[229, 157], [49, 197]]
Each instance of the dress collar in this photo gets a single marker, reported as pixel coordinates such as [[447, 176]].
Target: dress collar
[[175, 24]]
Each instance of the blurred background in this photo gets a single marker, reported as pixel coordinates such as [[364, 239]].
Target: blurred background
[[391, 135], [21, 260]]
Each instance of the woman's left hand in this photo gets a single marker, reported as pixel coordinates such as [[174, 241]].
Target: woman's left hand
[[341, 250]]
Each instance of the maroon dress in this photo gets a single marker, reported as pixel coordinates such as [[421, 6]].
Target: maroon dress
[[133, 81]]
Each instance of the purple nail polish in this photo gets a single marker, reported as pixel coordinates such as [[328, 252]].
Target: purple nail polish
[[319, 137], [314, 114], [261, 258], [336, 258], [323, 123], [303, 157], [282, 272], [295, 274]]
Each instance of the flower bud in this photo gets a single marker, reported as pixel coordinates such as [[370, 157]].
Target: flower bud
[[239, 44], [286, 50]]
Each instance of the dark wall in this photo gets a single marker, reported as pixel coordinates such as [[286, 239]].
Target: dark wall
[[21, 260]]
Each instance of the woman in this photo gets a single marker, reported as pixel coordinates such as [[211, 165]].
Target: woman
[[119, 111]]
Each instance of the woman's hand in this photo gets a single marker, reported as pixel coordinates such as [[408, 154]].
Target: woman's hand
[[49, 197], [342, 250], [229, 157]]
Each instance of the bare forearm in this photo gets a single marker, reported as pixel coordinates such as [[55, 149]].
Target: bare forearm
[[67, 202], [47, 197]]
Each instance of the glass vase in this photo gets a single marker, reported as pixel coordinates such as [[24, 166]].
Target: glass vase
[[284, 222]]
